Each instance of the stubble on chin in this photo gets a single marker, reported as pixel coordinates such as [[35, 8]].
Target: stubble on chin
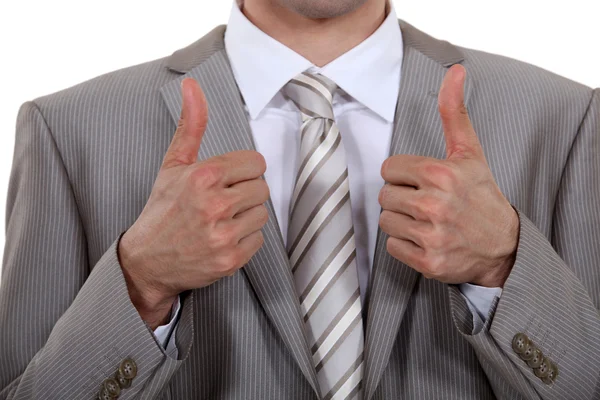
[[321, 9]]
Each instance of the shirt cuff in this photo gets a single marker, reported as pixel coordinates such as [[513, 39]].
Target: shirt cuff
[[479, 300], [164, 332]]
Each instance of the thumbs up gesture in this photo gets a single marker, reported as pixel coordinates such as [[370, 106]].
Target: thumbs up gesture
[[202, 220], [448, 219]]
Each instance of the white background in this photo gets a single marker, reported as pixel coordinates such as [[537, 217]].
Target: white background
[[47, 45]]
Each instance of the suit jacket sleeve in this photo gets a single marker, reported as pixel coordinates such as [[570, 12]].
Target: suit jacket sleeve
[[553, 292], [65, 327]]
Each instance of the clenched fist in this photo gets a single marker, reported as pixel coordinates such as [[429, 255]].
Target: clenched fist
[[202, 220], [447, 218]]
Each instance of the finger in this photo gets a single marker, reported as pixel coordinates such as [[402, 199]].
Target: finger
[[185, 144], [402, 169], [249, 245], [406, 251], [250, 221], [407, 200], [397, 197], [248, 194], [402, 226], [239, 166], [460, 136]]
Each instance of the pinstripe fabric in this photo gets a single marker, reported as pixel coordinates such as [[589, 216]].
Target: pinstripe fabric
[[86, 158]]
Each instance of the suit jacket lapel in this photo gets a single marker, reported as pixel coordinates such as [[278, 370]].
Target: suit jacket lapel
[[228, 130], [417, 130]]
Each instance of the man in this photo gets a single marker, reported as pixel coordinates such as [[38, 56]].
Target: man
[[327, 221]]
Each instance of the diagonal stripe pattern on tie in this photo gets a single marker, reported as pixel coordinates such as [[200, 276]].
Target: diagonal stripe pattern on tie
[[321, 243]]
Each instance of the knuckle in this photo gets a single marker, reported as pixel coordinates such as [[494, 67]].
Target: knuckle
[[433, 266], [432, 208], [222, 238], [199, 124], [425, 266], [422, 206], [206, 174], [388, 167], [389, 246], [223, 206], [234, 265], [263, 215], [447, 109], [260, 239], [384, 169], [384, 194], [384, 219], [230, 263], [264, 190], [434, 240], [216, 207], [392, 247], [441, 175], [180, 125]]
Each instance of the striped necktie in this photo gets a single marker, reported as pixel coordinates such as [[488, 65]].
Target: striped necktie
[[321, 243]]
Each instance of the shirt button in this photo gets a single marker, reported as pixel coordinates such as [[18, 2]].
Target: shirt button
[[520, 342], [112, 388], [537, 358], [128, 368]]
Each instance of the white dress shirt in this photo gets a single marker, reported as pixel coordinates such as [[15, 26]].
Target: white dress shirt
[[364, 109]]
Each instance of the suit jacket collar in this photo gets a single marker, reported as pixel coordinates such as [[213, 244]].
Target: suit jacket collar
[[417, 130], [228, 130]]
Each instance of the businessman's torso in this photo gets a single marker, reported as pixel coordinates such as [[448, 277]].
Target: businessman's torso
[[113, 131]]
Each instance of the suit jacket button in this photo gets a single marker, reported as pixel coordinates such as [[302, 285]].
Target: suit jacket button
[[537, 358], [122, 381], [552, 374], [527, 353], [103, 395], [520, 342], [128, 368], [111, 386], [544, 369]]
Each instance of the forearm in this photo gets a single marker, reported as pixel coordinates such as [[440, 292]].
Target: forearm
[[64, 330], [543, 299], [97, 332]]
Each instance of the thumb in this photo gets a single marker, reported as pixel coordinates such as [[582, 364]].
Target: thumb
[[184, 147], [461, 140]]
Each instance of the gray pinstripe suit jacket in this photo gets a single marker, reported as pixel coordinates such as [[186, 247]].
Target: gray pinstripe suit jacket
[[84, 164]]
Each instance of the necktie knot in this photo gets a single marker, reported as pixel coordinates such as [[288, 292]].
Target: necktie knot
[[312, 94]]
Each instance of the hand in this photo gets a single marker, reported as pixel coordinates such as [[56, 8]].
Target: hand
[[448, 219], [202, 220]]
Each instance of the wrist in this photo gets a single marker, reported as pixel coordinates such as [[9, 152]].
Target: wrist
[[497, 275], [152, 303]]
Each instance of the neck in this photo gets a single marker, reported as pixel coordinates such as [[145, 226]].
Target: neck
[[318, 40]]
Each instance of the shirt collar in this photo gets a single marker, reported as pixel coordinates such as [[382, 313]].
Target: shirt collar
[[370, 72]]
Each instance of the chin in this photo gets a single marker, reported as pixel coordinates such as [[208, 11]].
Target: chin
[[320, 9]]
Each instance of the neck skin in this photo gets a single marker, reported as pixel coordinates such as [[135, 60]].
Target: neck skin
[[318, 40]]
